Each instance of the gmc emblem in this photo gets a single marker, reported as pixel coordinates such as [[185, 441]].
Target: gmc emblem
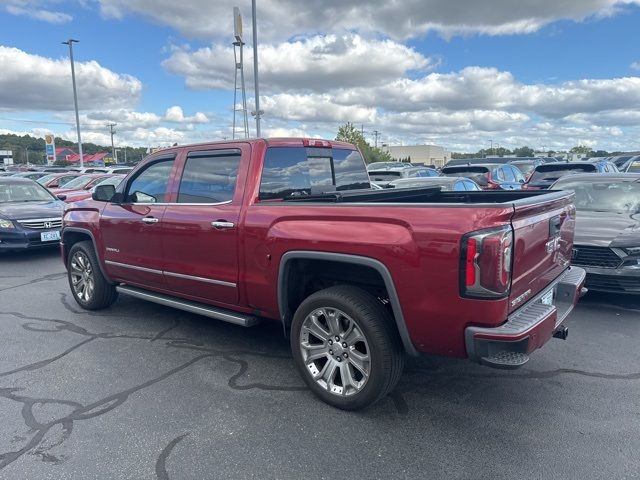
[[48, 224]]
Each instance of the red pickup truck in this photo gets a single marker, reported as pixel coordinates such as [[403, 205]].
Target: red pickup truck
[[289, 230]]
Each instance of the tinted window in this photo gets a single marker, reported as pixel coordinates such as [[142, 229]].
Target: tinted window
[[551, 174], [350, 170], [209, 179], [150, 185], [478, 174], [508, 174], [295, 171]]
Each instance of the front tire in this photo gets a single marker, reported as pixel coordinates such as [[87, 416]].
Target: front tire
[[346, 347], [90, 288]]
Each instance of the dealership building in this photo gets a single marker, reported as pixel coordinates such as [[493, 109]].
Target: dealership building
[[427, 154]]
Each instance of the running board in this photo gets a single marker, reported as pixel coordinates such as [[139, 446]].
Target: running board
[[189, 306]]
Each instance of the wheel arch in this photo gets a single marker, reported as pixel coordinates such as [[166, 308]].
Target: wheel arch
[[284, 273], [73, 235]]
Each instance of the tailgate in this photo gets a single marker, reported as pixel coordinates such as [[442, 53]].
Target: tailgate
[[543, 237]]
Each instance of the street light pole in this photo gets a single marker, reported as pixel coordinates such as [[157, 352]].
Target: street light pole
[[258, 112], [70, 42]]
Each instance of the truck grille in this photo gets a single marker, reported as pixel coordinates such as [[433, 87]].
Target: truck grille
[[612, 283], [602, 257], [41, 223]]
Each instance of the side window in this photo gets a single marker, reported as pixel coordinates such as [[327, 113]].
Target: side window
[[517, 174], [459, 186], [150, 185], [209, 178], [508, 174], [499, 174], [350, 170]]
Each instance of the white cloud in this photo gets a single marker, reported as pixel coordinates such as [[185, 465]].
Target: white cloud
[[321, 62], [33, 9], [33, 82], [282, 19], [176, 115], [314, 107], [635, 66]]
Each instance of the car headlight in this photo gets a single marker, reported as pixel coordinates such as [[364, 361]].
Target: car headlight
[[632, 250], [6, 223]]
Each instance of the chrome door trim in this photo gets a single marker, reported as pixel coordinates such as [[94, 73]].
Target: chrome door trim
[[201, 279], [133, 267]]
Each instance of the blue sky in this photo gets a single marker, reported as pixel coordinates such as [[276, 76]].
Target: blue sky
[[544, 74]]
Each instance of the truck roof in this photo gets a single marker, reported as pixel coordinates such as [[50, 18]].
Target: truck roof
[[271, 142]]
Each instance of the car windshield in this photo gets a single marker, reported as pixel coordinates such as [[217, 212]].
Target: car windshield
[[477, 174], [634, 168], [115, 181], [525, 167], [47, 178], [547, 174], [604, 196], [23, 192], [79, 182]]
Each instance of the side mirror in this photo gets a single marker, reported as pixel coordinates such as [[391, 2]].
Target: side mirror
[[103, 193], [61, 197]]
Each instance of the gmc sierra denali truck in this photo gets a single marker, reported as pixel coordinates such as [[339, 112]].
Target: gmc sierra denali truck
[[289, 230]]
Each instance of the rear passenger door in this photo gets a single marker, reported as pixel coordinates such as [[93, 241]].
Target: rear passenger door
[[200, 226]]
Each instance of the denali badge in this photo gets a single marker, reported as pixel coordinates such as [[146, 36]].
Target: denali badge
[[520, 298]]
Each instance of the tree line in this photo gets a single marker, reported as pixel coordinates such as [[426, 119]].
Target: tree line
[[36, 148]]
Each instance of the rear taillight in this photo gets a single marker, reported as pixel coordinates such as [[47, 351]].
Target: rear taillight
[[486, 263]]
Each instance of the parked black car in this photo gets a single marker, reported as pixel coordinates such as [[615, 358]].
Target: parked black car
[[30, 216], [545, 175], [607, 233], [489, 176]]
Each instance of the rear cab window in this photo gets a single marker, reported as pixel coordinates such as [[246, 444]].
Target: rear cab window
[[301, 171], [477, 174], [209, 177]]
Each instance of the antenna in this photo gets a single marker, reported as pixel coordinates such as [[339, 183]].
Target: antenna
[[238, 56]]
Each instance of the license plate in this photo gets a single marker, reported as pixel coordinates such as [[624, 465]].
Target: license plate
[[547, 298], [49, 236]]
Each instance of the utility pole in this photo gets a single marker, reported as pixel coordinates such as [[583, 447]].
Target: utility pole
[[258, 113], [492, 152], [26, 151], [375, 134], [113, 150], [70, 42]]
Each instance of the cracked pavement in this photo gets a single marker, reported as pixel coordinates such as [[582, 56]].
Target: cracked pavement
[[141, 391]]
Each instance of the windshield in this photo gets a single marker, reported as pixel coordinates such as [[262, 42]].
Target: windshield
[[79, 182], [115, 181], [607, 196], [47, 178], [551, 175], [24, 192], [634, 168], [477, 174], [525, 167]]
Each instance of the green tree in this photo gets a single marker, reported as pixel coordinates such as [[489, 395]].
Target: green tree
[[524, 152], [581, 149], [350, 134]]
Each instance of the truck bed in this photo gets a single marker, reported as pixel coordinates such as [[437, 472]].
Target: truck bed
[[426, 195]]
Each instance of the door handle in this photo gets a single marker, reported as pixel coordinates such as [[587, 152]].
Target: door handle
[[222, 224], [150, 220]]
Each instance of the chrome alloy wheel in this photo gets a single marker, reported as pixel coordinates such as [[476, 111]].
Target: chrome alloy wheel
[[335, 351], [82, 279]]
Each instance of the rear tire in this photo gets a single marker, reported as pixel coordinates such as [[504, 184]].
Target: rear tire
[[346, 347], [89, 287]]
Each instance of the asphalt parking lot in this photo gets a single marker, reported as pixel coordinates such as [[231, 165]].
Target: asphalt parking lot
[[140, 391]]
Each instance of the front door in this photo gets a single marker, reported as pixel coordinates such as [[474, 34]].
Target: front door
[[131, 230], [200, 229]]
